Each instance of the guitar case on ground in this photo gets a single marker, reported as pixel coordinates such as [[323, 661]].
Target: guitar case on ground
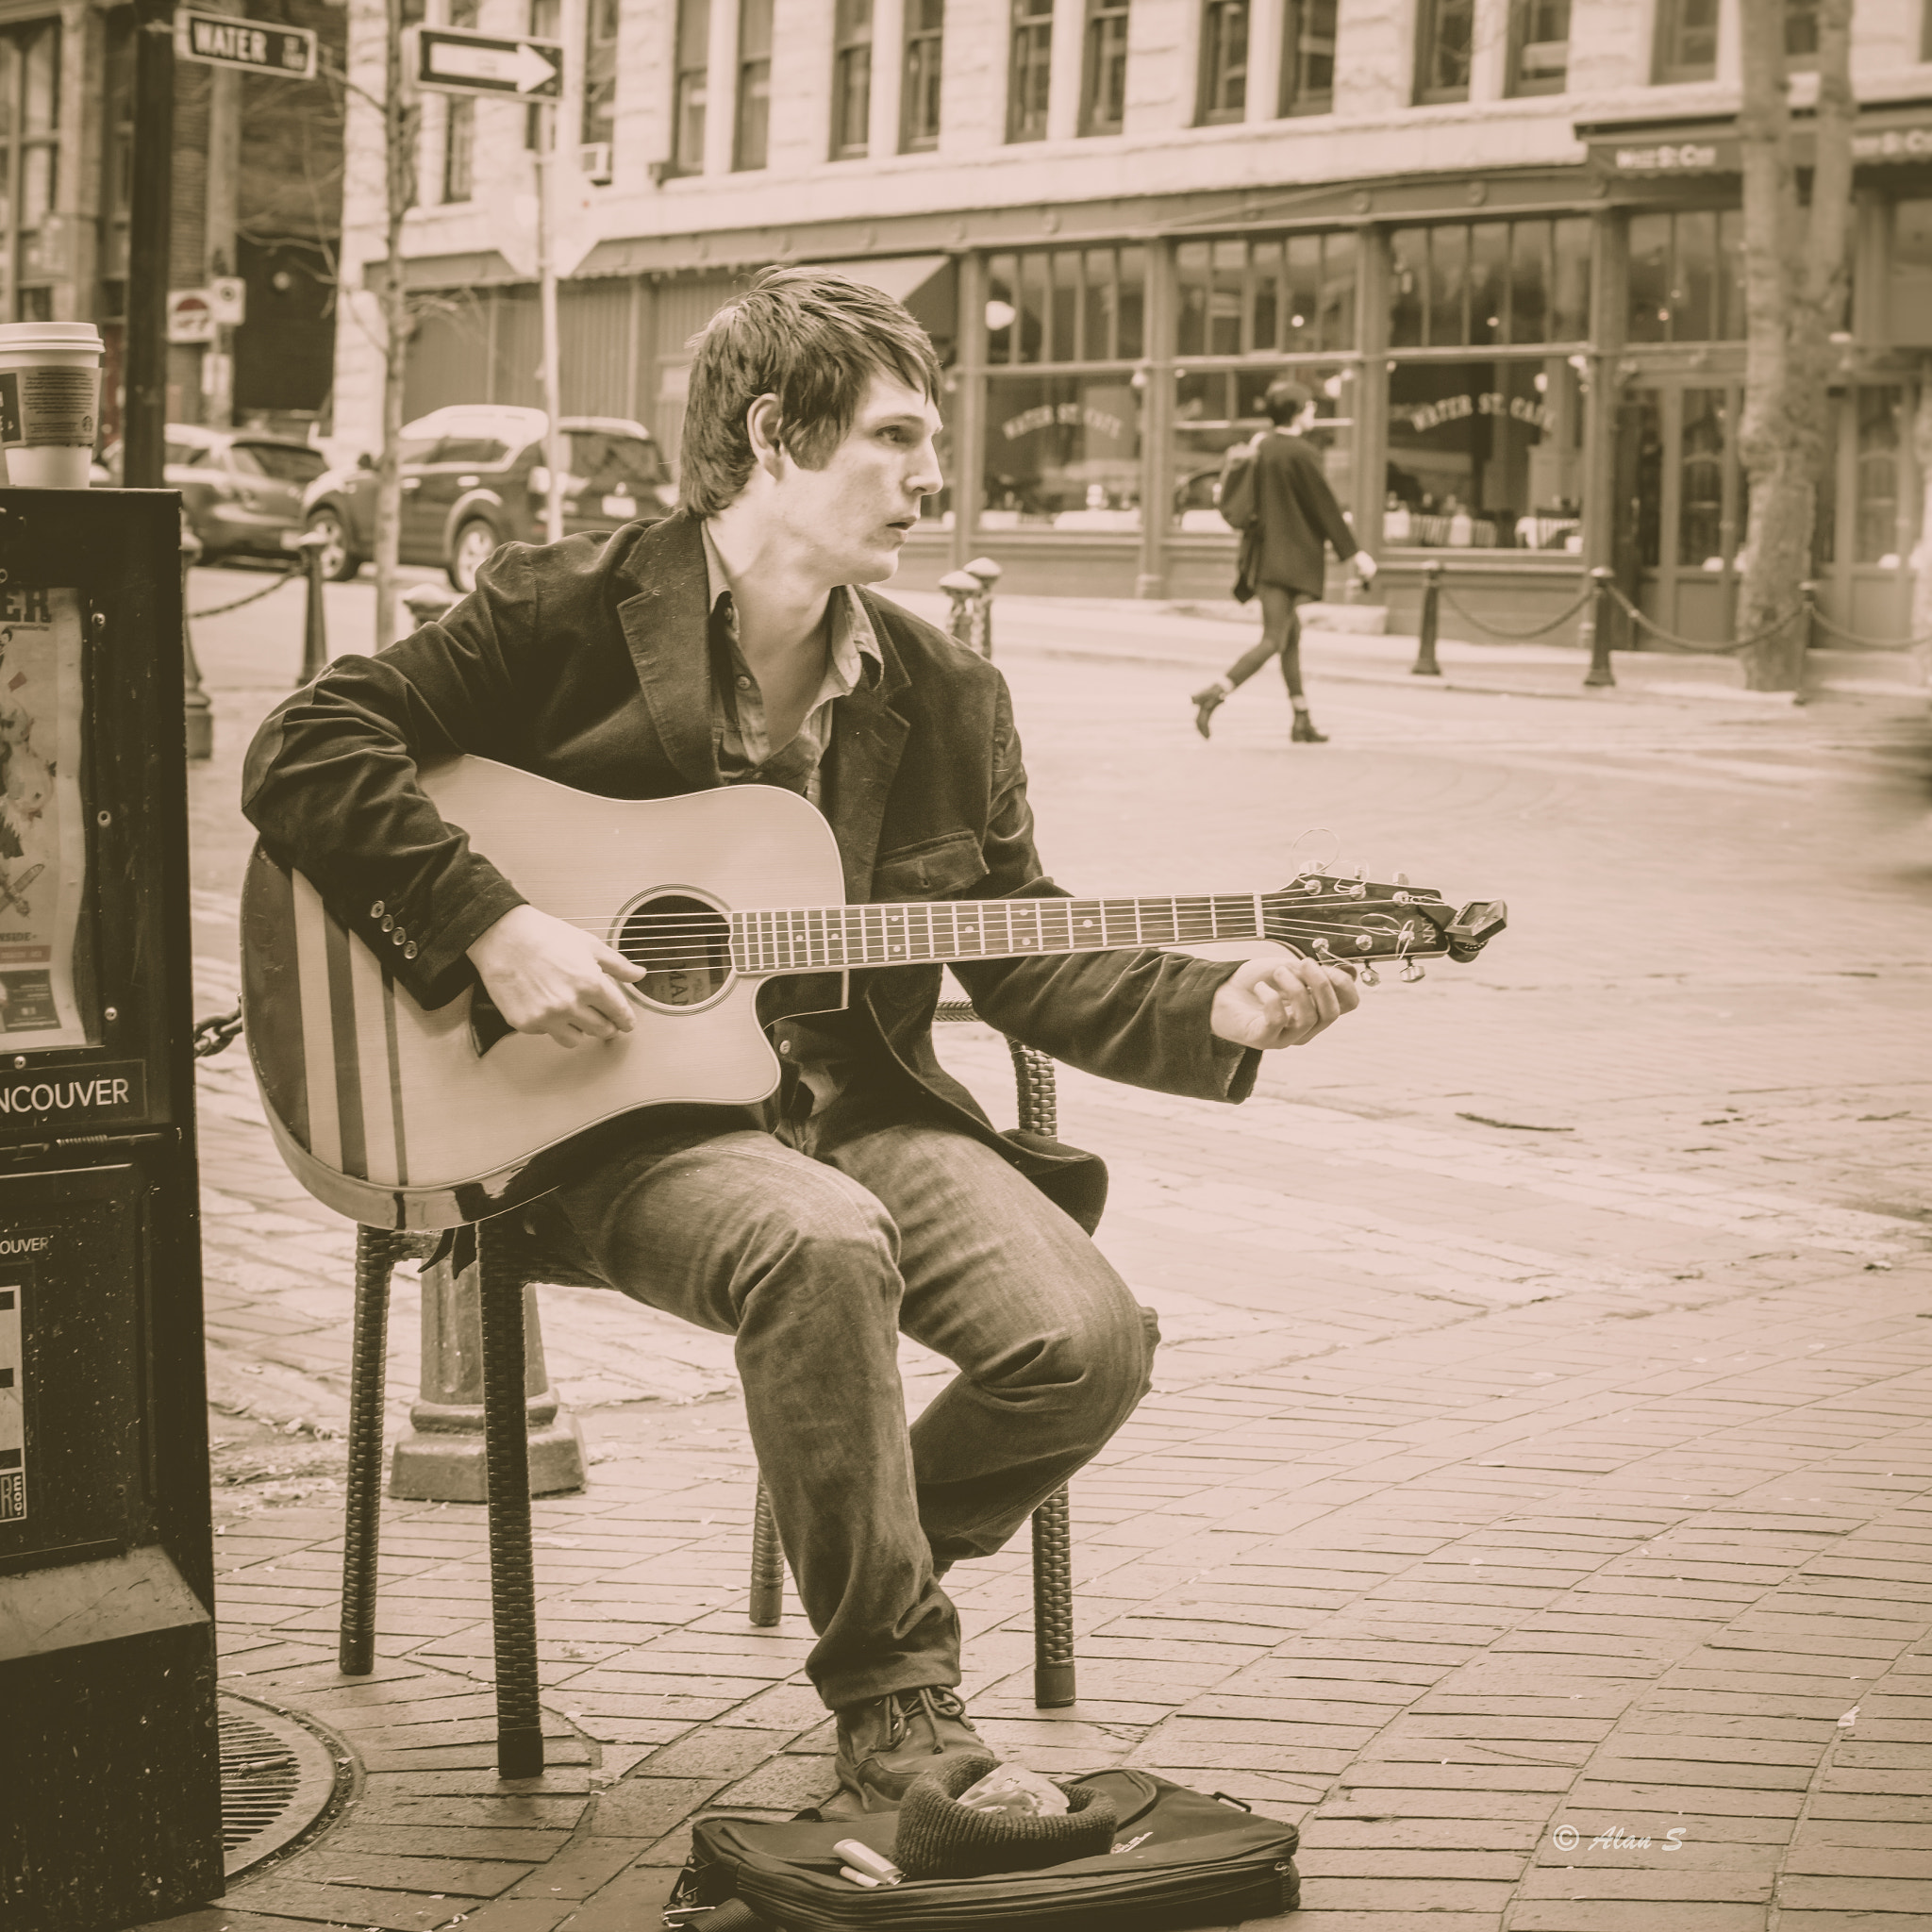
[[1181, 1858]]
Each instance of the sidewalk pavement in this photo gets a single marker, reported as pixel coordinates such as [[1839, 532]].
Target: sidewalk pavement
[[1343, 645], [1447, 1423]]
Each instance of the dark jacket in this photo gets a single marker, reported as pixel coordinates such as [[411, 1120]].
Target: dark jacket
[[1294, 509], [589, 663]]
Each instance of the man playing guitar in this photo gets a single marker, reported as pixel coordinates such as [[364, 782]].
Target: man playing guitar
[[734, 643]]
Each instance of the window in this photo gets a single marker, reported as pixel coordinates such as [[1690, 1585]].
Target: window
[[1308, 58], [1686, 278], [1062, 452], [1485, 455], [1216, 407], [1881, 437], [599, 70], [692, 86], [1066, 305], [1445, 35], [545, 25], [1466, 283], [919, 97], [1538, 46], [1686, 39], [851, 79], [754, 84], [1267, 296], [1801, 33], [1223, 61], [29, 164], [1030, 70], [459, 173], [1104, 70]]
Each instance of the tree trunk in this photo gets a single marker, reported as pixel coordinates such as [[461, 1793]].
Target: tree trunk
[[1795, 295], [399, 159], [1921, 624]]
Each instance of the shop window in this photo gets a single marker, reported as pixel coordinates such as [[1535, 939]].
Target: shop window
[[1062, 453], [1908, 279], [692, 86], [1881, 435], [600, 72], [1224, 91], [1801, 34], [1686, 39], [920, 95], [1308, 58], [1274, 295], [1464, 284], [29, 161], [1485, 455], [753, 125], [1030, 70], [1104, 75], [1538, 46], [1686, 277], [1215, 408], [1066, 305], [851, 79], [1446, 38]]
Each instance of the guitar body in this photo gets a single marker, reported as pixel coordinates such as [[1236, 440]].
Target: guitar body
[[405, 1118]]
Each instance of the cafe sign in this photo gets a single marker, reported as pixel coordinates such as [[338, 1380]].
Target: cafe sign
[[1637, 155], [1490, 403]]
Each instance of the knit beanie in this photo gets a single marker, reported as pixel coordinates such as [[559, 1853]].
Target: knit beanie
[[941, 1838]]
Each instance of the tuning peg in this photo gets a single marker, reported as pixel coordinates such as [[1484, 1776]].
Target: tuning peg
[[1362, 872], [1413, 970], [1402, 878], [1368, 975]]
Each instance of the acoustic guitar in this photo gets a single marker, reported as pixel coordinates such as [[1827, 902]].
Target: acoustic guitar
[[407, 1117]]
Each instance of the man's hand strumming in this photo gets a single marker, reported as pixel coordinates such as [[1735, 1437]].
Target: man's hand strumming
[[1271, 1003], [549, 976]]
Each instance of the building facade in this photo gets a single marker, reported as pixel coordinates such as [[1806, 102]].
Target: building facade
[[256, 195], [1499, 238]]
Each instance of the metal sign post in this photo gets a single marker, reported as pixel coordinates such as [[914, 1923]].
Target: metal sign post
[[452, 61]]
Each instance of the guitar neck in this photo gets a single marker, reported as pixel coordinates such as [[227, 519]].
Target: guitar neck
[[944, 931]]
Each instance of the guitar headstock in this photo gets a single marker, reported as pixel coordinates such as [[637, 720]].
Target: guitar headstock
[[1355, 922]]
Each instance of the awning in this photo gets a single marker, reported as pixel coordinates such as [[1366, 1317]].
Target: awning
[[901, 276]]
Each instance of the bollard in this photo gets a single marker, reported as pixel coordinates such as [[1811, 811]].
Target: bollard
[[1594, 631], [197, 712], [442, 1460], [1808, 593], [426, 603], [988, 575], [963, 623], [311, 543], [1425, 665]]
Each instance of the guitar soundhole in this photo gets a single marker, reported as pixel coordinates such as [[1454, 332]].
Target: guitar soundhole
[[684, 946]]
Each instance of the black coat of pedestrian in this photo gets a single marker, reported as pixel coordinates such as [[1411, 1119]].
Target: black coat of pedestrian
[[1294, 511]]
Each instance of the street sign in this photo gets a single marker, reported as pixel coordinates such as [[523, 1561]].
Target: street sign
[[190, 315], [227, 295], [256, 47], [451, 61]]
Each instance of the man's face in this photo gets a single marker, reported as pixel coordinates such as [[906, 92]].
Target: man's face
[[854, 515]]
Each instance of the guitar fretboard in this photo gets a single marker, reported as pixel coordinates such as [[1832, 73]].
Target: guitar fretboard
[[929, 931]]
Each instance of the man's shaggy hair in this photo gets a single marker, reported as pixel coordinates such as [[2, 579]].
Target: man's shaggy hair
[[814, 340]]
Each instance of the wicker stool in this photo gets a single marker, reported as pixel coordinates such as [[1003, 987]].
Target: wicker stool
[[504, 1276]]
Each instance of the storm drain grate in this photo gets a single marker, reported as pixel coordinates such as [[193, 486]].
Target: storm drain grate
[[277, 1778]]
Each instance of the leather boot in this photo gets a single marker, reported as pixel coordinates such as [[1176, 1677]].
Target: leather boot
[[1206, 704], [1305, 732], [885, 1744]]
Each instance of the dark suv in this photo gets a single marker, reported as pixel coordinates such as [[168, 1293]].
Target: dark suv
[[474, 477]]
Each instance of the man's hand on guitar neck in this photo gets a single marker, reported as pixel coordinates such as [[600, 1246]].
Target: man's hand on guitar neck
[[1271, 1003], [549, 976]]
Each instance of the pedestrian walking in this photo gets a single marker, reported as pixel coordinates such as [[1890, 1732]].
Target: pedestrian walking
[[1293, 511]]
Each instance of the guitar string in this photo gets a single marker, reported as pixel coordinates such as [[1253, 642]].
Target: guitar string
[[712, 958]]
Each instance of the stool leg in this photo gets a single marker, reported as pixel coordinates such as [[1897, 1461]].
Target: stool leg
[[506, 1463], [767, 1564], [375, 1258], [1052, 1605]]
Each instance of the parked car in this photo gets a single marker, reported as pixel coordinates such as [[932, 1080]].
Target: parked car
[[241, 490], [474, 477]]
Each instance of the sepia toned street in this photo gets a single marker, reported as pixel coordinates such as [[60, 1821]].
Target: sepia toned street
[[1532, 1504]]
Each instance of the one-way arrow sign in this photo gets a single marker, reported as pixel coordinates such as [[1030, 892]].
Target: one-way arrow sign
[[451, 61]]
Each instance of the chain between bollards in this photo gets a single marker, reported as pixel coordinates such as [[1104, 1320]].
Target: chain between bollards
[[1594, 631], [1425, 665]]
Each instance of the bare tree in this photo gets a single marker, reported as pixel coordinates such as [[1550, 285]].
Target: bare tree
[[1795, 281], [400, 119]]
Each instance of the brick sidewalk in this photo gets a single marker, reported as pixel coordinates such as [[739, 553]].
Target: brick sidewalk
[[1528, 1420]]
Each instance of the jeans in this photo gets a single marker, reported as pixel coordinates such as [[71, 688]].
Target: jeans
[[815, 1267], [1281, 636]]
